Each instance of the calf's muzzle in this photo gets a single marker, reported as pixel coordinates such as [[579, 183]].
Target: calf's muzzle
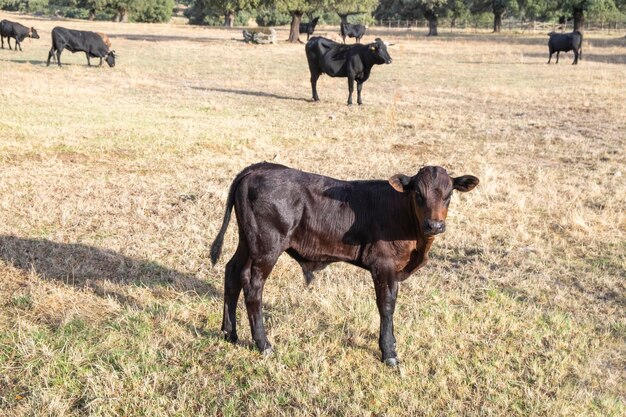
[[433, 227]]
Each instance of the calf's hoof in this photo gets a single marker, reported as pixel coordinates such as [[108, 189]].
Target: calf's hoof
[[268, 351], [232, 338], [392, 362]]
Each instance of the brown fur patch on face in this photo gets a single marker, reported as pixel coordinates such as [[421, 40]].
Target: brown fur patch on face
[[433, 182]]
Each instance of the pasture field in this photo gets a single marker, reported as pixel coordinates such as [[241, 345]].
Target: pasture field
[[113, 184]]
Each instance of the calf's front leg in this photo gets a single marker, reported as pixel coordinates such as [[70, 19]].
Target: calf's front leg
[[386, 287]]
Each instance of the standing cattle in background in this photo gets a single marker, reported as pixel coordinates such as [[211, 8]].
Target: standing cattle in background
[[352, 61], [385, 227], [351, 31], [309, 28], [16, 31], [91, 43], [565, 42]]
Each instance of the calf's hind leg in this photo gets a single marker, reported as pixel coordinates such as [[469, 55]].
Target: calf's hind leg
[[350, 89], [253, 293], [314, 77], [359, 87], [233, 279], [50, 56]]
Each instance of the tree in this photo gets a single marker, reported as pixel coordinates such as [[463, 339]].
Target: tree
[[229, 9], [431, 10], [456, 9], [151, 11], [498, 7], [577, 8], [297, 8]]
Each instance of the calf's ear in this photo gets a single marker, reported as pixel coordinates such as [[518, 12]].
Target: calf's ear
[[400, 182], [465, 183]]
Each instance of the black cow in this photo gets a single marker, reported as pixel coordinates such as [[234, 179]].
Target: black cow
[[352, 61], [565, 42], [16, 31], [91, 43], [385, 227], [352, 31], [309, 28]]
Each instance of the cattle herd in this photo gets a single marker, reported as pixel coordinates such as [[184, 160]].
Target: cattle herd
[[93, 44], [385, 227]]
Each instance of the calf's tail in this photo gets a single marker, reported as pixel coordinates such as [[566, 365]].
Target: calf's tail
[[216, 246]]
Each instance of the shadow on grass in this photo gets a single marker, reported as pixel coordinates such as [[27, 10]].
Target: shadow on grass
[[250, 93], [25, 61], [87, 266], [165, 38], [568, 58], [53, 63]]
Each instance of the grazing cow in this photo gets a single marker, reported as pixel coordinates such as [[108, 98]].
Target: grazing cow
[[309, 28], [385, 227], [565, 42], [352, 31], [16, 31], [354, 62], [91, 43]]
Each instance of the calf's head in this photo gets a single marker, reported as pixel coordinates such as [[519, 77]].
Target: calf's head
[[379, 49], [110, 58], [33, 33], [430, 191]]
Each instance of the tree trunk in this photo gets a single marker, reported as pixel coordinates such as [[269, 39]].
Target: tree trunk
[[432, 22], [579, 19], [229, 18], [453, 22], [294, 32], [497, 20], [92, 14], [121, 16]]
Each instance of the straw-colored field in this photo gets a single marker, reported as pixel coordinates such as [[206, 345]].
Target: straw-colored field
[[113, 184]]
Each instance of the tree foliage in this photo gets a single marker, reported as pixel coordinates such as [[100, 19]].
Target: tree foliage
[[208, 11]]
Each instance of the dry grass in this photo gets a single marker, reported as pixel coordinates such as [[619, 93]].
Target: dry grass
[[113, 182]]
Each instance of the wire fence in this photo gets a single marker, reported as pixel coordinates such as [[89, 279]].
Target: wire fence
[[510, 25]]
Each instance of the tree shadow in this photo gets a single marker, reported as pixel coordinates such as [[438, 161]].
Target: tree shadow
[[250, 93], [25, 61], [165, 38], [84, 266], [568, 57]]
